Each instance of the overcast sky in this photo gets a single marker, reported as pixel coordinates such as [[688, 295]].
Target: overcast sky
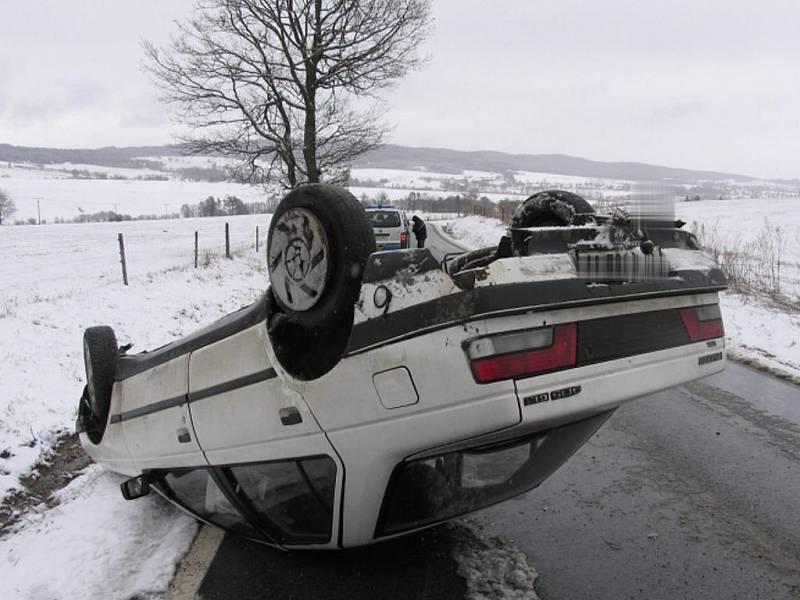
[[713, 84]]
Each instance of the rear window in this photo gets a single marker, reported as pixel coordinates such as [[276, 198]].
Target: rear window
[[384, 218]]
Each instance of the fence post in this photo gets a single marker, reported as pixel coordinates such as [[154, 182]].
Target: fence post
[[195, 249], [227, 241], [122, 259], [256, 239]]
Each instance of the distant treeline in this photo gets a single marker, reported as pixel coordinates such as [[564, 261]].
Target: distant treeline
[[210, 207], [464, 204], [209, 174], [103, 216], [228, 206], [86, 174]]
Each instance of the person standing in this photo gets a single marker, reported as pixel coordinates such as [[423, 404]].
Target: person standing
[[419, 231]]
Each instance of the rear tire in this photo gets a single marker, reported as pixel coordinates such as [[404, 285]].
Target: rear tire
[[319, 241], [100, 354], [551, 208]]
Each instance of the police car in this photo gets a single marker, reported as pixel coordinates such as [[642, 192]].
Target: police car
[[390, 225]]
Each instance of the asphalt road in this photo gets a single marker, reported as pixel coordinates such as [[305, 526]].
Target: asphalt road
[[690, 493]]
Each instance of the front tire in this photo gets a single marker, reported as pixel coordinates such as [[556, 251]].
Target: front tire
[[100, 354], [473, 259]]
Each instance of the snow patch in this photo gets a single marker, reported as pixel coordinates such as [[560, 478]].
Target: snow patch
[[762, 335], [477, 232], [95, 545], [492, 567]]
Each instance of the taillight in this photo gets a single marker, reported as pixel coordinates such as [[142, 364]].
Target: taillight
[[523, 353], [703, 322], [403, 239]]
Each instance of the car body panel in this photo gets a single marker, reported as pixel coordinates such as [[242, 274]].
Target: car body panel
[[228, 416], [165, 435], [113, 452]]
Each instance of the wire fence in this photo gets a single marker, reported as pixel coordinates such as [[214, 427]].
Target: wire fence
[[46, 261]]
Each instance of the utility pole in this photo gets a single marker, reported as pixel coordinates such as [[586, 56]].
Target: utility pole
[[116, 207], [39, 207], [165, 210], [122, 259]]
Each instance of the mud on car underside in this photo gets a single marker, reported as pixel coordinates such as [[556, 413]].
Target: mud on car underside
[[369, 394]]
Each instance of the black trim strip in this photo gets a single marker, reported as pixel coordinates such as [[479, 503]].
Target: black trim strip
[[150, 408], [214, 390], [234, 384]]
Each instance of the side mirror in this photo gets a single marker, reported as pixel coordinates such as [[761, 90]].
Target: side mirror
[[135, 487]]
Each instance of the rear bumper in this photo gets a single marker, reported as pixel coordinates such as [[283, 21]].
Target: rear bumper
[[568, 395], [388, 245]]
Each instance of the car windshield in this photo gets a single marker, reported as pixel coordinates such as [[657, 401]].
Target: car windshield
[[384, 218]]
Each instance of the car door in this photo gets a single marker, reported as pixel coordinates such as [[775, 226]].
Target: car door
[[240, 408], [155, 418], [262, 443]]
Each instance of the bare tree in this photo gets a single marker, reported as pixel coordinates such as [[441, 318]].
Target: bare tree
[[288, 86], [7, 206]]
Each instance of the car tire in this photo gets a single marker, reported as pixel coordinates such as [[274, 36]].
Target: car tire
[[319, 241], [100, 354], [473, 259], [550, 208]]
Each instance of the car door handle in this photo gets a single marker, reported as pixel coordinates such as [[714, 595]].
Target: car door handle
[[290, 416], [183, 435]]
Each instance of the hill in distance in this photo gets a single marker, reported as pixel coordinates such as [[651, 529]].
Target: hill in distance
[[391, 156]]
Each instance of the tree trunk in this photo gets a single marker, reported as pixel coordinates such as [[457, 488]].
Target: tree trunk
[[310, 131], [310, 139]]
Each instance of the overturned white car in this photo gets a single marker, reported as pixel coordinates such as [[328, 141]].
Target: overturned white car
[[368, 395]]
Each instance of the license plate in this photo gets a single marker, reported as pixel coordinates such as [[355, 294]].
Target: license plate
[[621, 265]]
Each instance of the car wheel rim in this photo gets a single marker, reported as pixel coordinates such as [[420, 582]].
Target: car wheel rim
[[299, 259]]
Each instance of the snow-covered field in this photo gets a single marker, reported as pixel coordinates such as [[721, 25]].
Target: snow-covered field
[[60, 196], [50, 260], [395, 184], [63, 197], [736, 221]]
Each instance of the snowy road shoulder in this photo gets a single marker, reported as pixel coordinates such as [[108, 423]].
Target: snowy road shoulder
[[95, 545], [765, 337]]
